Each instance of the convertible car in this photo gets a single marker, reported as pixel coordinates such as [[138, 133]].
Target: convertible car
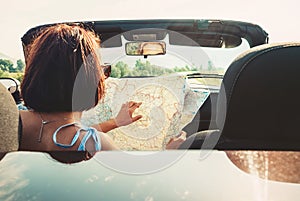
[[220, 81]]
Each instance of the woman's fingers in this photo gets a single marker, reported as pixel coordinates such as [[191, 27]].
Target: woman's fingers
[[175, 142], [136, 118], [132, 106], [130, 103], [124, 117]]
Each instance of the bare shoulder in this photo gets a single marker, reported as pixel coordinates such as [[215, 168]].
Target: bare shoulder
[[28, 118], [25, 113]]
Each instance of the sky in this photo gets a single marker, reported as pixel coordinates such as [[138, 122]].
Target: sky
[[281, 19]]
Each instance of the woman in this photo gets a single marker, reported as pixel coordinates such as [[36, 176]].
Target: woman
[[62, 79]]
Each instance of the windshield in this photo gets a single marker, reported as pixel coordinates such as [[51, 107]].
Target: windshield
[[178, 59]]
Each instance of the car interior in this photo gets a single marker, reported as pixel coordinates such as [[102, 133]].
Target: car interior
[[253, 84]]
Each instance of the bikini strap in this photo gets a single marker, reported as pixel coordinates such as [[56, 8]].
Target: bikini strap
[[90, 132]]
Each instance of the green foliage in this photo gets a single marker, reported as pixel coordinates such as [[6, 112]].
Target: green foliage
[[147, 69], [141, 68], [7, 69], [185, 68], [124, 70], [4, 73], [1, 73], [18, 76], [20, 65], [6, 65], [115, 72]]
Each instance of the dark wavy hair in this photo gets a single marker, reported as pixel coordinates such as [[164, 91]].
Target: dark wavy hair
[[63, 70]]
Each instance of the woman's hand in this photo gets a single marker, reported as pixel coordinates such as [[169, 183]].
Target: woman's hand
[[175, 142], [124, 117]]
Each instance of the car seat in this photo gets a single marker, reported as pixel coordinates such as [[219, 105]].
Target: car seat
[[258, 106], [9, 121]]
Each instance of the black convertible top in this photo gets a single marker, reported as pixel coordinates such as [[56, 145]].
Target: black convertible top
[[200, 30]]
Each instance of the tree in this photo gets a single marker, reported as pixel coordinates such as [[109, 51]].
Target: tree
[[115, 72], [20, 65], [123, 67], [6, 65], [140, 68]]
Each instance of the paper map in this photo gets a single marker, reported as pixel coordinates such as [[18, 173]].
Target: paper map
[[168, 104]]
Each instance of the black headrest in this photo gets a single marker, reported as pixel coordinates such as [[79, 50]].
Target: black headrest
[[259, 99]]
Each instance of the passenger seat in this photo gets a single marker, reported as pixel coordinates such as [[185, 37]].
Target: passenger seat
[[258, 107]]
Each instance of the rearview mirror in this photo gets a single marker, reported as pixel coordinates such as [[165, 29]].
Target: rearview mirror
[[139, 48]]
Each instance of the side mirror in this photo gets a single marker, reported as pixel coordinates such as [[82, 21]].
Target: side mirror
[[140, 48], [106, 70]]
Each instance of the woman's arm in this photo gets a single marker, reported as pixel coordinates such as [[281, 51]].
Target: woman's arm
[[123, 118], [106, 126]]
